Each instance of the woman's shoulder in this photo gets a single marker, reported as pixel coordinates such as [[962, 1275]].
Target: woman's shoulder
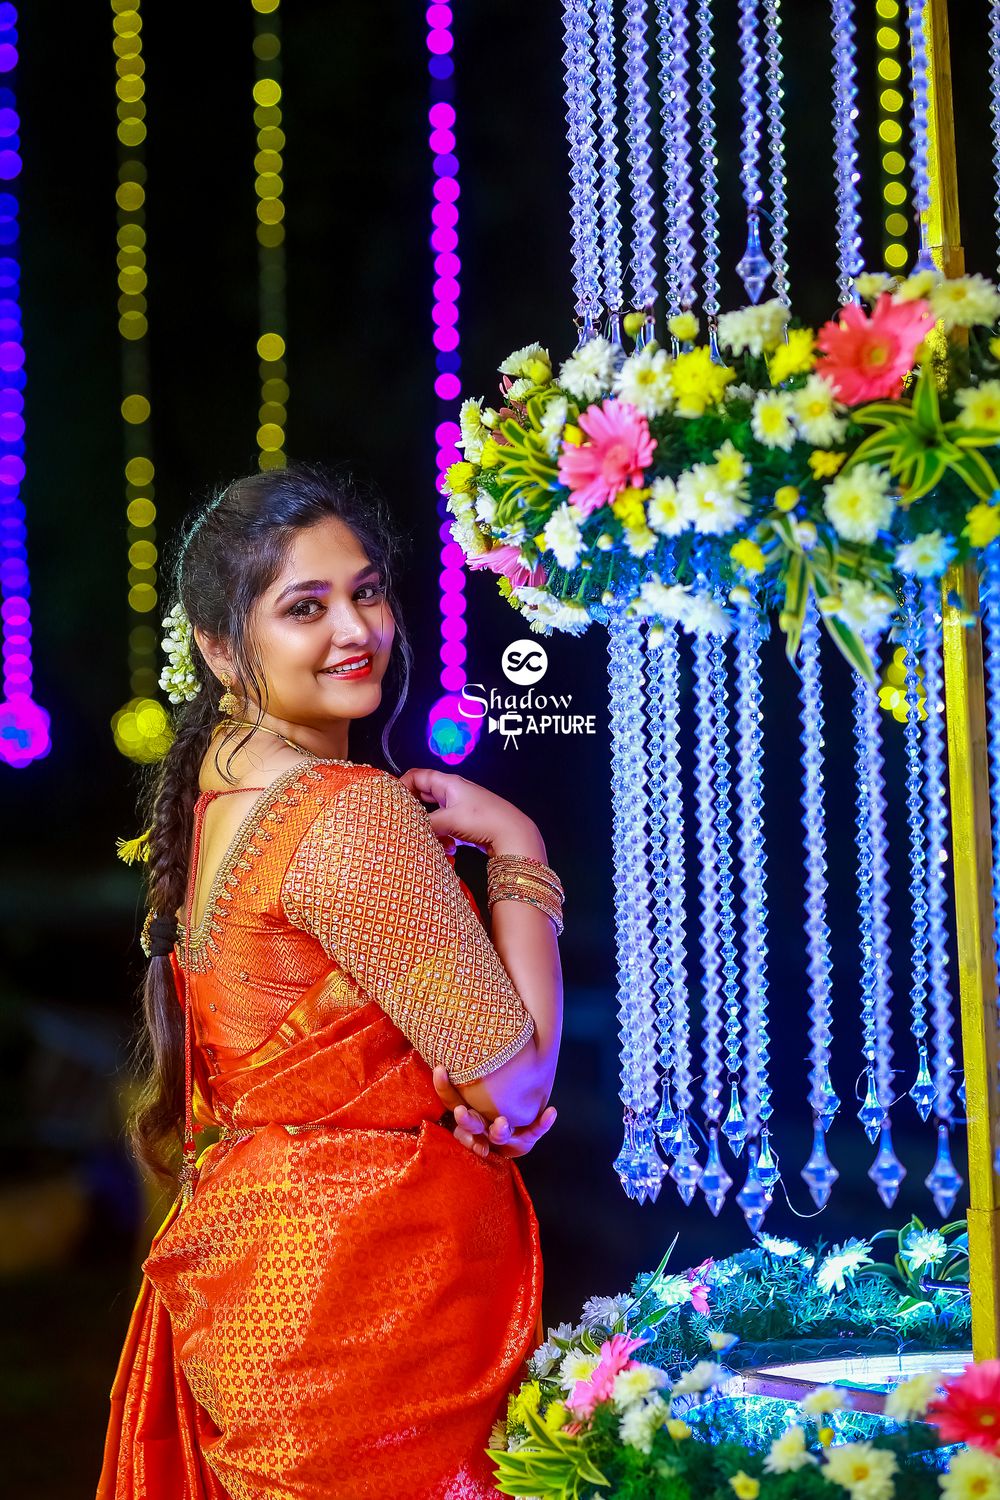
[[345, 798]]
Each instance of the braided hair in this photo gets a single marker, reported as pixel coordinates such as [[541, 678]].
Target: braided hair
[[230, 552]]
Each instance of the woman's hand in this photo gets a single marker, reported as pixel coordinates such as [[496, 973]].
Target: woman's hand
[[472, 1131], [469, 814]]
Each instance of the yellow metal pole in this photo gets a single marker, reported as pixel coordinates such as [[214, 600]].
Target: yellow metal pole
[[968, 775]]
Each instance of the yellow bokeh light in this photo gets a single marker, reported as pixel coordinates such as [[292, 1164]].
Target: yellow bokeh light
[[132, 235], [266, 116], [133, 326], [135, 409], [130, 196], [887, 9], [142, 598], [268, 460], [270, 235], [894, 192], [265, 7], [142, 638], [894, 162], [141, 511], [891, 100], [131, 132], [136, 111], [129, 23], [889, 69], [890, 130], [271, 347], [270, 437], [267, 92], [142, 730], [130, 67], [272, 411], [129, 89], [895, 257], [127, 46], [268, 185], [267, 161], [266, 46], [139, 470], [275, 390], [896, 223], [270, 210], [887, 38], [132, 279], [131, 302], [143, 555]]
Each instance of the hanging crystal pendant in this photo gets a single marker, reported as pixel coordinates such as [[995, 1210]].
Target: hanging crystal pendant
[[923, 1091], [829, 1102], [767, 1164], [686, 1170], [943, 1181], [625, 1161], [754, 269], [819, 1173], [734, 1127], [613, 329], [871, 1114], [887, 1171], [648, 1167], [668, 1124], [715, 1180], [752, 1198], [961, 1092]]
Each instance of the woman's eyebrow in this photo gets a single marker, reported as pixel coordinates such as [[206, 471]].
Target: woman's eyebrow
[[318, 584]]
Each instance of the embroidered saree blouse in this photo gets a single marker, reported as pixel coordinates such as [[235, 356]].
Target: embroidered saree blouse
[[343, 1305]]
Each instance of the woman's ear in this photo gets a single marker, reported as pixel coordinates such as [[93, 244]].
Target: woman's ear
[[214, 653]]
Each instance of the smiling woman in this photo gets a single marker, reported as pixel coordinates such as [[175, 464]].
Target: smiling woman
[[313, 958]]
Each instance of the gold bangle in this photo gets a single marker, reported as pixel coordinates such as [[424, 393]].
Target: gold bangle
[[553, 915], [498, 864]]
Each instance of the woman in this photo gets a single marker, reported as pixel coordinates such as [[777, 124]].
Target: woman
[[343, 1293]]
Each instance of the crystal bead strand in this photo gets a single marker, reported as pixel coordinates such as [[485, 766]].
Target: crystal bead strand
[[607, 96], [661, 665], [670, 243], [823, 1100], [873, 1112], [638, 1165], [640, 164], [715, 1181], [754, 268], [995, 104], [845, 150], [676, 123], [922, 1092], [709, 167], [734, 1126], [991, 633], [776, 139], [920, 150], [943, 1181], [579, 97]]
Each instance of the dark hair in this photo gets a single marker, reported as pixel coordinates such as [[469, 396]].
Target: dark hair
[[230, 552]]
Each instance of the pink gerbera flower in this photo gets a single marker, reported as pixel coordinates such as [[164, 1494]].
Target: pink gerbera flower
[[969, 1411], [619, 450], [587, 1394], [507, 560], [867, 357]]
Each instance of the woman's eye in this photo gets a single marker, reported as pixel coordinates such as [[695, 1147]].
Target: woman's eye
[[299, 609], [376, 588]]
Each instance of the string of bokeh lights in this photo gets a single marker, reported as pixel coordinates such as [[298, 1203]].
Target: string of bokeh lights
[[24, 725], [268, 186], [141, 727], [449, 734], [895, 223]]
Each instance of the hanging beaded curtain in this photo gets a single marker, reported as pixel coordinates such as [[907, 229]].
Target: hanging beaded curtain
[[695, 1001]]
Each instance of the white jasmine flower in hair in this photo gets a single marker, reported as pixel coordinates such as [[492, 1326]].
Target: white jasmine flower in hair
[[788, 1452], [639, 1424], [588, 374], [178, 678]]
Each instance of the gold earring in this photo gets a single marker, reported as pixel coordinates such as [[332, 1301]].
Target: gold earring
[[228, 703]]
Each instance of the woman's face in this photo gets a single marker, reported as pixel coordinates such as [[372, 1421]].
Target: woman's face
[[326, 605]]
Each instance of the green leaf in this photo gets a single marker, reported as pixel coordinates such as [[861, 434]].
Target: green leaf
[[796, 600], [976, 472], [924, 473], [851, 647], [926, 409], [879, 447], [880, 413]]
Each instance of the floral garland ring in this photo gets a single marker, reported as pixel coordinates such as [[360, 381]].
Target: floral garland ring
[[679, 487]]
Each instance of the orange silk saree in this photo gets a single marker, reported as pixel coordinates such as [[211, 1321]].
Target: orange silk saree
[[343, 1304]]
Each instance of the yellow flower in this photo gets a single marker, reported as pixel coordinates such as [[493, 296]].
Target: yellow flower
[[677, 1429], [787, 497], [980, 405], [539, 368], [747, 555], [917, 285], [796, 357], [633, 323], [639, 540], [629, 508], [741, 596], [573, 434], [698, 383], [825, 464], [826, 1436], [555, 1417], [684, 326], [871, 284], [605, 542], [505, 586], [982, 524], [730, 464], [525, 1402], [458, 477], [744, 1486], [995, 348]]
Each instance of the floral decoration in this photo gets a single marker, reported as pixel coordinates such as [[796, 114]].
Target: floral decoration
[[772, 464]]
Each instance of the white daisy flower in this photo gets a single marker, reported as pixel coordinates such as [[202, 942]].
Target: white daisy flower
[[644, 381], [788, 1452], [640, 1423], [588, 374], [562, 535], [858, 503], [926, 556], [844, 1260]]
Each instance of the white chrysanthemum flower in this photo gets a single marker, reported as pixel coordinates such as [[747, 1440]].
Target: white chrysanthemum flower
[[712, 504], [605, 1312], [589, 373], [721, 1341], [636, 1384], [924, 1247], [178, 678], [779, 1247], [920, 284], [670, 601], [469, 537], [823, 1402], [909, 1400], [562, 535], [639, 540], [788, 1452], [815, 413], [973, 1474], [576, 1366], [552, 423], [486, 508], [865, 1472], [470, 421], [519, 364], [980, 405], [771, 422], [863, 610], [871, 284], [705, 616], [666, 511], [671, 1291], [517, 391], [640, 1423], [545, 613], [644, 381], [845, 1260], [754, 329], [926, 556], [701, 1377], [965, 302], [858, 503], [742, 392]]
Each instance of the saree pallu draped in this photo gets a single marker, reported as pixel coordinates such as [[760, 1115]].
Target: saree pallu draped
[[343, 1305]]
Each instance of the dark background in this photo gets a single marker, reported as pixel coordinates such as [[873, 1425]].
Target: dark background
[[357, 198]]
